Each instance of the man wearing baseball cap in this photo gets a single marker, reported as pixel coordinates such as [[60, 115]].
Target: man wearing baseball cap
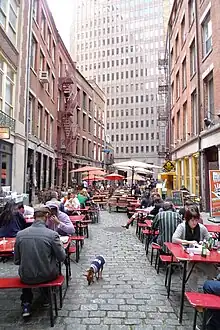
[[37, 252]]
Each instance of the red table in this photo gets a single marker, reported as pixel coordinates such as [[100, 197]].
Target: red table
[[213, 229], [178, 252], [75, 218], [8, 246]]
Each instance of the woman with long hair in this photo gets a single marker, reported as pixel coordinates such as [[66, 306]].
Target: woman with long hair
[[11, 221]]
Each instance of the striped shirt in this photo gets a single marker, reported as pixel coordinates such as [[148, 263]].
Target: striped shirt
[[166, 222]]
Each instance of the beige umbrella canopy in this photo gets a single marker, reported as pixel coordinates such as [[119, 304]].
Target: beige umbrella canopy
[[136, 178]]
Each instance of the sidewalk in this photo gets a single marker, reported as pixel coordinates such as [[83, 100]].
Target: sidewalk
[[130, 296]]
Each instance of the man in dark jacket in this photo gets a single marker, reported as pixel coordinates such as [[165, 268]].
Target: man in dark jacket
[[37, 252]]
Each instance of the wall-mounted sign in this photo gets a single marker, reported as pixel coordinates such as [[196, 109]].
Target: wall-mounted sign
[[169, 166], [5, 132]]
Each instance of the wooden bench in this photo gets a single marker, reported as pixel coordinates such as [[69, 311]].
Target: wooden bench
[[201, 302], [15, 283]]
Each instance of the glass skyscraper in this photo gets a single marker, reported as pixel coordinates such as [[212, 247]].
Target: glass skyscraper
[[118, 43]]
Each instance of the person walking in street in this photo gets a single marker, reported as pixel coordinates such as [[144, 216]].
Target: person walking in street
[[37, 252]]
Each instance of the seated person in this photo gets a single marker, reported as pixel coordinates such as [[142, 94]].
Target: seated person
[[11, 221], [25, 210], [83, 197], [167, 222], [59, 221], [156, 204], [213, 317], [54, 199], [190, 231], [72, 203], [37, 252]]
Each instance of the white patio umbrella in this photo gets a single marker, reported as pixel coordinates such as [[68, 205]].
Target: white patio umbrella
[[136, 177], [133, 165]]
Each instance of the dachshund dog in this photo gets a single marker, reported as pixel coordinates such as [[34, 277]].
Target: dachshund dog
[[95, 269]]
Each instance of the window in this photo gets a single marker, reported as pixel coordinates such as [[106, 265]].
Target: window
[[51, 132], [183, 30], [8, 18], [126, 150], [185, 121], [43, 25], [152, 148], [177, 85], [177, 46], [48, 39], [209, 96], [35, 9], [184, 76], [46, 131], [136, 136], [53, 51], [132, 150], [48, 85], [53, 87], [39, 120], [192, 58], [33, 53], [7, 79], [207, 35], [132, 124], [191, 9], [178, 125], [137, 149], [30, 113], [194, 113], [147, 149]]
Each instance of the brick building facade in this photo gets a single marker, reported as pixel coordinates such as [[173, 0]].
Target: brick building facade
[[194, 67], [42, 100], [13, 63]]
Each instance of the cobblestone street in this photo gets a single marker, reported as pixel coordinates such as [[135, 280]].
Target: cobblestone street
[[130, 296]]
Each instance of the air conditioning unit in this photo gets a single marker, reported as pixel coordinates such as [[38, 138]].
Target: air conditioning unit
[[44, 77]]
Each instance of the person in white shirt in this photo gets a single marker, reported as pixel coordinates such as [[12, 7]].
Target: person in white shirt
[[72, 203], [25, 210]]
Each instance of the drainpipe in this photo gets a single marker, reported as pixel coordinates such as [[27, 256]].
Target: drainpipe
[[30, 19], [198, 102]]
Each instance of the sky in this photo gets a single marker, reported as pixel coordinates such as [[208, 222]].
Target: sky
[[62, 11]]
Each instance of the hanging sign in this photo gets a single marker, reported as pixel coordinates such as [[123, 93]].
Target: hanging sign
[[5, 132], [214, 189]]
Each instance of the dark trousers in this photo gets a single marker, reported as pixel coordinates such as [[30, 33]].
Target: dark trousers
[[213, 316], [27, 295]]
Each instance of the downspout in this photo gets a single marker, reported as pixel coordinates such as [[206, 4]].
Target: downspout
[[30, 19], [198, 103]]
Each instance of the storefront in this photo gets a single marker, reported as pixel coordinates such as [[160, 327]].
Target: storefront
[[187, 170], [6, 150]]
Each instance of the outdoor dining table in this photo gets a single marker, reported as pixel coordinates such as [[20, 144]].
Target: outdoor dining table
[[7, 245], [177, 251], [213, 229]]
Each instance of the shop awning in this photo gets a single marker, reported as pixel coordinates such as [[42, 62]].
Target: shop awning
[[164, 175]]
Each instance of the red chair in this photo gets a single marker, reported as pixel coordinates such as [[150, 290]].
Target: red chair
[[201, 302], [15, 283]]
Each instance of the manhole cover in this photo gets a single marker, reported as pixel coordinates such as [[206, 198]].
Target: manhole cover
[[114, 229]]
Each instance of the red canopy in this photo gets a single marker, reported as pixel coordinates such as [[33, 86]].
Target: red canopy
[[114, 177]]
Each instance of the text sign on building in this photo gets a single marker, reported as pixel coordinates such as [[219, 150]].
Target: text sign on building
[[214, 188], [169, 166], [4, 132]]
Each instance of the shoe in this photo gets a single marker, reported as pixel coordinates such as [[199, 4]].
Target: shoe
[[26, 309], [125, 226]]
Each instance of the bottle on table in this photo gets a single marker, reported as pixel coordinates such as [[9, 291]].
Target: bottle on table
[[204, 249]]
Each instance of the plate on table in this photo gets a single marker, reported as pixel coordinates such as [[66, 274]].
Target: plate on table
[[64, 239]]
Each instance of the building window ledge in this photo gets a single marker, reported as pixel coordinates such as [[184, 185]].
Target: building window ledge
[[207, 55], [192, 75]]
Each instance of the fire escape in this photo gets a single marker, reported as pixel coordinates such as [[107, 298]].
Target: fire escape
[[67, 85], [162, 114]]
